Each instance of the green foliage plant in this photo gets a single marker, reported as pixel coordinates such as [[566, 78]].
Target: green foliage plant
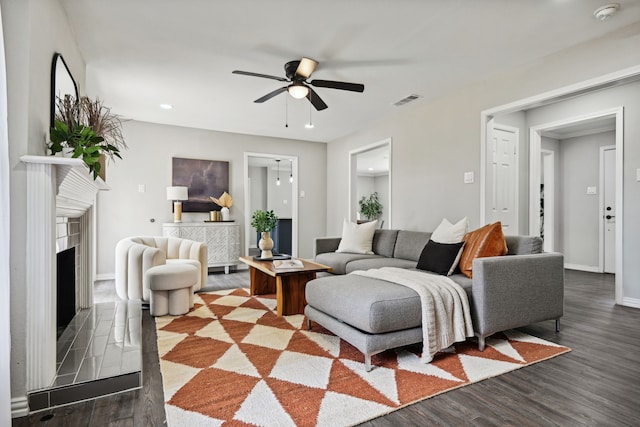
[[264, 221], [370, 207], [84, 141]]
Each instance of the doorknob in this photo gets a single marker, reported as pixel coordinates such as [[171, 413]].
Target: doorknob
[[610, 216]]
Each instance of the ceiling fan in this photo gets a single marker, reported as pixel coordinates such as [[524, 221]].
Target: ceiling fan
[[297, 73]]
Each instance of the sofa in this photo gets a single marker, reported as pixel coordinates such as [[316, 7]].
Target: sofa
[[505, 292], [135, 256]]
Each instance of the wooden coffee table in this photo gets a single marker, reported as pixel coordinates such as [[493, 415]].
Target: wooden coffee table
[[288, 285]]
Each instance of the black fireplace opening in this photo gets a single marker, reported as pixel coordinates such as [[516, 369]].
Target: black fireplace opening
[[66, 288]]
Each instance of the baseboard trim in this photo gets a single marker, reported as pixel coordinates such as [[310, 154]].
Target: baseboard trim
[[19, 407], [631, 302], [106, 276], [580, 267]]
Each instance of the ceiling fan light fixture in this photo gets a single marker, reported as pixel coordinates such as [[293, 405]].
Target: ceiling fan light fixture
[[298, 90]]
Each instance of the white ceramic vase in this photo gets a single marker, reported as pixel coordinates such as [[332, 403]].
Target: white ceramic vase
[[224, 212], [266, 244]]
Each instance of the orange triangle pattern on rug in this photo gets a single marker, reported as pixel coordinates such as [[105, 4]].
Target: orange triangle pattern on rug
[[232, 361]]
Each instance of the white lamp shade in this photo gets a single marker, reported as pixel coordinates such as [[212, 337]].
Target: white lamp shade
[[177, 193]]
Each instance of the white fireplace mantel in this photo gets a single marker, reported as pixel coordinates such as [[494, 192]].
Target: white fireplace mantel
[[56, 187]]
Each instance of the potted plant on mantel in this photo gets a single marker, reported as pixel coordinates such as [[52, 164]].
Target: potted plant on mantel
[[88, 130], [264, 222], [370, 207]]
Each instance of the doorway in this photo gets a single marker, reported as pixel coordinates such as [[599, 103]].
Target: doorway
[[271, 183], [595, 120]]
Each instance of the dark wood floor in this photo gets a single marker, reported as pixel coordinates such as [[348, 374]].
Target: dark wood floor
[[597, 384]]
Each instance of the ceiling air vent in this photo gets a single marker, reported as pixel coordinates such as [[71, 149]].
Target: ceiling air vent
[[406, 100]]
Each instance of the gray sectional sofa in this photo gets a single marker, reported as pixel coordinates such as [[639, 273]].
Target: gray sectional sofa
[[523, 287]]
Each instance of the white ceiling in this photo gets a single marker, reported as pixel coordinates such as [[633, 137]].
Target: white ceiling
[[141, 53]]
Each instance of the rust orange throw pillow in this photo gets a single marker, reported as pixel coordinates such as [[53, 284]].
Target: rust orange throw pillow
[[483, 242]]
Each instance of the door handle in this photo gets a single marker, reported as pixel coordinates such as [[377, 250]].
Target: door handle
[[610, 216]]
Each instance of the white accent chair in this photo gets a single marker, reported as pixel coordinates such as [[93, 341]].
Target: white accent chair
[[135, 256]]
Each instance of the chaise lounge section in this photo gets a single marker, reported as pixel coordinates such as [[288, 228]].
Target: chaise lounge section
[[505, 292]]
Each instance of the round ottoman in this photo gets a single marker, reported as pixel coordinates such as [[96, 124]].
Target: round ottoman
[[171, 288]]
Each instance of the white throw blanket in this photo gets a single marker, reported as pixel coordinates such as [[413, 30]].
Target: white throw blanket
[[446, 317]]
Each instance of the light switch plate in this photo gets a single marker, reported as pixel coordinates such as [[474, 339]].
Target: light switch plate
[[638, 174], [468, 178], [142, 188], [592, 190]]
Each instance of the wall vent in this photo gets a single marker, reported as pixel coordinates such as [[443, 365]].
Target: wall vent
[[406, 100]]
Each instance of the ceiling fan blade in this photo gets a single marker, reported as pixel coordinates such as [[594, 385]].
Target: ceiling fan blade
[[265, 76], [315, 100], [271, 94], [354, 87], [306, 67]]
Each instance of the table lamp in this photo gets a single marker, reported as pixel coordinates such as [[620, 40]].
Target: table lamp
[[177, 194]]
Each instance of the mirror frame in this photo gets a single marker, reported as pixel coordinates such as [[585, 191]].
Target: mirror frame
[[58, 59], [353, 178]]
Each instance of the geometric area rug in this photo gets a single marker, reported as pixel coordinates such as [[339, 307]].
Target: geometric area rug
[[232, 361]]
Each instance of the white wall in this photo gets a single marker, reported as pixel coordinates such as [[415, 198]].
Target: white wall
[[33, 31], [580, 166], [124, 211], [436, 141]]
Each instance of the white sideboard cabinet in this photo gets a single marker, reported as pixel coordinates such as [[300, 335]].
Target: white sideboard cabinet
[[222, 239]]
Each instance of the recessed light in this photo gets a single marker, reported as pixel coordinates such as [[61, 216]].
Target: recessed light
[[370, 169], [166, 106]]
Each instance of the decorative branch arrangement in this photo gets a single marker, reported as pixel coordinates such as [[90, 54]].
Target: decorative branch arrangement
[[89, 129]]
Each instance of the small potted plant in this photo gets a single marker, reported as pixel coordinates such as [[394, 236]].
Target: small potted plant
[[370, 207], [264, 222]]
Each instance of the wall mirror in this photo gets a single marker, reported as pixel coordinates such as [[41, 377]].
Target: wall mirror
[[370, 172], [62, 82], [262, 173]]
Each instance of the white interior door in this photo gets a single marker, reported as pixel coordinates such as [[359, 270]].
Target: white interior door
[[502, 177], [608, 163]]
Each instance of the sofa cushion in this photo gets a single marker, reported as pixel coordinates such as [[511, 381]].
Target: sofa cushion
[[440, 258], [384, 242], [450, 233], [357, 238], [484, 242], [339, 261], [523, 245], [369, 263], [371, 305], [409, 244]]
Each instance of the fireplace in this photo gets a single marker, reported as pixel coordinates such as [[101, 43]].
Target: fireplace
[[61, 195]]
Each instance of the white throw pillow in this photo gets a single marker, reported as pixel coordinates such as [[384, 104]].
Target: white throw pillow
[[450, 233], [357, 238]]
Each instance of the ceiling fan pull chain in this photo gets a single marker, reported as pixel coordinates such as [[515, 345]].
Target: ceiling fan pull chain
[[286, 112]]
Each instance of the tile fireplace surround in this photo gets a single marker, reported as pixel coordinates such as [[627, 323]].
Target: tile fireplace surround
[[56, 187]]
